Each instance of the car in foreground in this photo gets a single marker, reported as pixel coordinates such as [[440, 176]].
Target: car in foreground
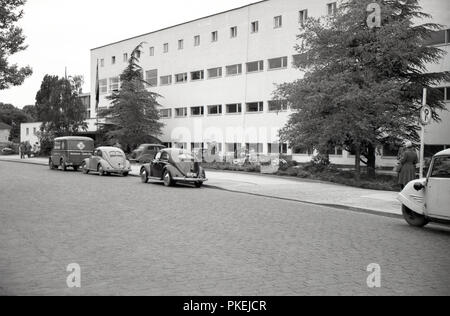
[[428, 200], [107, 160], [174, 165], [70, 152], [146, 152]]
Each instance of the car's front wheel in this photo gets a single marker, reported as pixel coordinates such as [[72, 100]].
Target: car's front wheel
[[414, 219], [144, 176], [168, 181], [63, 165], [84, 168], [198, 184]]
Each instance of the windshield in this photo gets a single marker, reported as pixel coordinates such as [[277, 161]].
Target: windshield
[[83, 145], [185, 156], [441, 167]]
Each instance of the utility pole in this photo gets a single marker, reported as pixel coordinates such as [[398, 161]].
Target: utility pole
[[425, 119]]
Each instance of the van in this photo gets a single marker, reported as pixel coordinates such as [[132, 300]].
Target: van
[[70, 152]]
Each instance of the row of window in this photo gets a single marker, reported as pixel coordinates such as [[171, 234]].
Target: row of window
[[233, 33], [153, 80], [445, 93], [441, 37], [257, 148], [219, 109]]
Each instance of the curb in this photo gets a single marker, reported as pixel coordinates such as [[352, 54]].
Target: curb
[[335, 206]]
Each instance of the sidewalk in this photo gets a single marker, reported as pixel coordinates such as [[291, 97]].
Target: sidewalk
[[321, 193]]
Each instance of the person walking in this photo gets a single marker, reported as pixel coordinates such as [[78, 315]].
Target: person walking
[[407, 165], [22, 151]]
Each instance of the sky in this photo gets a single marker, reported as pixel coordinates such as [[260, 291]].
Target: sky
[[61, 33]]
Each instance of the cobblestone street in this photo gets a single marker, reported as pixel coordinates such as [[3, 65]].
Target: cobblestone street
[[136, 239]]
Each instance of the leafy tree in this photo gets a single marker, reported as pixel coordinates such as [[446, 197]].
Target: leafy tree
[[11, 42], [59, 107], [362, 87], [133, 117], [13, 116], [30, 110]]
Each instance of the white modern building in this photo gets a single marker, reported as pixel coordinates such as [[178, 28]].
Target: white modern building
[[217, 75]]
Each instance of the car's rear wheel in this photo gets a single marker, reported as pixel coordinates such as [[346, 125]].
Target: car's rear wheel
[[124, 174], [168, 181], [100, 170], [75, 168], [84, 168], [414, 219], [198, 184], [144, 176]]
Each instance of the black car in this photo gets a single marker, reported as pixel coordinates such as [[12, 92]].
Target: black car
[[174, 165]]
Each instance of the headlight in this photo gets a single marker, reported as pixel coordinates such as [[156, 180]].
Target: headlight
[[191, 175]]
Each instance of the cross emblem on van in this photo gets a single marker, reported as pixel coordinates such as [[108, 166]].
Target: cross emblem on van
[[81, 146]]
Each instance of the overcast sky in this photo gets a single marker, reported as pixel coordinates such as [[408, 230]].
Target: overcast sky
[[60, 33]]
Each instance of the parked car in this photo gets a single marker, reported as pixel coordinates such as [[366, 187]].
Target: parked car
[[174, 165], [428, 200], [70, 152], [146, 152], [7, 151], [107, 160]]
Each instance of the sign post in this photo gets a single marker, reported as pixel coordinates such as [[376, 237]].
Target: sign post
[[425, 119]]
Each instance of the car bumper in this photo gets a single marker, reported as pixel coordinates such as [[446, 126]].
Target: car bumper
[[186, 179], [117, 170]]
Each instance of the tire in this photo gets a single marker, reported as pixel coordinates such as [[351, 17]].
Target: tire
[[198, 184], [51, 165], [75, 168], [414, 219], [144, 176], [84, 168], [168, 182], [100, 170], [63, 165], [125, 174]]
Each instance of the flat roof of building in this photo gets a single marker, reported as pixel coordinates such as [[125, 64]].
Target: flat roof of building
[[169, 27]]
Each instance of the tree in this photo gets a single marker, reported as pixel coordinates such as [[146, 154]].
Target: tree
[[13, 116], [59, 107], [11, 42], [362, 87], [133, 117], [30, 110]]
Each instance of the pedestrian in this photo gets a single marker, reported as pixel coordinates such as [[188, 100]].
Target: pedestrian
[[28, 149], [22, 151], [407, 165]]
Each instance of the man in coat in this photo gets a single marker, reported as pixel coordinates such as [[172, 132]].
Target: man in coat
[[408, 164]]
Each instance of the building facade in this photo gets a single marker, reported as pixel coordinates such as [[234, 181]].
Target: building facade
[[5, 131], [217, 75]]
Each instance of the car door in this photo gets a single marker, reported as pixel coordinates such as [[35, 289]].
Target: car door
[[158, 164], [437, 194], [56, 153], [94, 160]]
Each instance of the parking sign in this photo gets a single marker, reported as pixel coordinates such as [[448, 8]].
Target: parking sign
[[425, 115]]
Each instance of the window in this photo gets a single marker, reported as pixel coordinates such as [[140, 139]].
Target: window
[[331, 8], [114, 84], [278, 63], [302, 16], [180, 44], [180, 112], [234, 108], [234, 70], [255, 107], [389, 150], [441, 167], [302, 150], [197, 111], [165, 113], [214, 109], [138, 54], [102, 62], [28, 131], [214, 36], [103, 86], [233, 32], [166, 48], [336, 151], [197, 40], [125, 57], [215, 72], [34, 130], [113, 60], [438, 37], [165, 80], [278, 106], [277, 22], [276, 148], [254, 27], [152, 51], [255, 66], [254, 147], [197, 75], [152, 77], [179, 78]]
